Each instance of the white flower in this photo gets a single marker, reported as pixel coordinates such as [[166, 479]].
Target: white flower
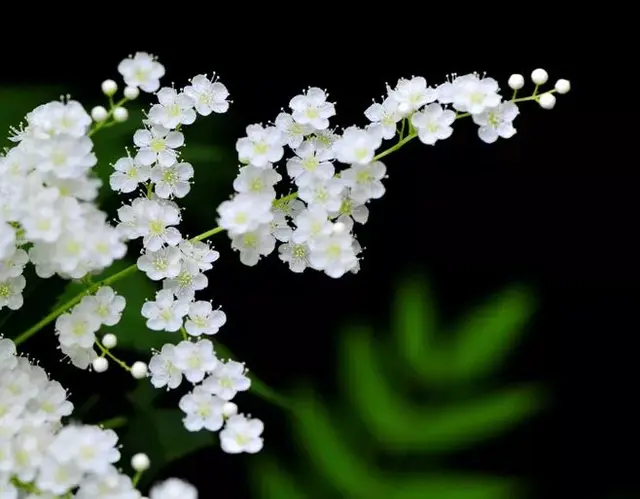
[[296, 255], [254, 244], [65, 156], [311, 223], [208, 95], [202, 410], [245, 213], [386, 116], [157, 144], [163, 369], [470, 93], [241, 434], [261, 146], [203, 319], [292, 132], [128, 175], [496, 122], [142, 71], [77, 328], [173, 109], [334, 254], [412, 94], [310, 163], [172, 180], [324, 193], [195, 360], [173, 488], [162, 264], [105, 304], [7, 240], [187, 282], [312, 108], [433, 124], [165, 313], [199, 254], [364, 181], [357, 145], [156, 225], [254, 180], [227, 379]]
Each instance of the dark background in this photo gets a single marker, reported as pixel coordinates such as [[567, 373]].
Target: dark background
[[553, 207]]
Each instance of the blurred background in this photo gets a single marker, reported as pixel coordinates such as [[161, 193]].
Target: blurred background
[[490, 316]]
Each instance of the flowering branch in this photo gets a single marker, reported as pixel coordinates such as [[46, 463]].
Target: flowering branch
[[48, 217]]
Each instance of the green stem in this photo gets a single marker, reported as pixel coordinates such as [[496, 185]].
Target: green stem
[[117, 422], [106, 123]]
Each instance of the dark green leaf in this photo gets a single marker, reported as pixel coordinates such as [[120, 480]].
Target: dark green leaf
[[447, 486], [415, 324], [273, 482], [401, 426], [485, 337], [328, 450]]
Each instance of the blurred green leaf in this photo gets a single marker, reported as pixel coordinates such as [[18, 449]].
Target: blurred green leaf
[[275, 483], [447, 486], [326, 447], [415, 325], [401, 426], [159, 433], [485, 337], [131, 331]]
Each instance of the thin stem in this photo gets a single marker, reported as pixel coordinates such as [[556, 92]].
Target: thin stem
[[117, 422], [105, 352]]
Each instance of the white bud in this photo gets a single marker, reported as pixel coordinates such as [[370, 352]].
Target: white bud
[[100, 364], [547, 101], [120, 114], [563, 86], [109, 340], [131, 93], [109, 87], [229, 409], [539, 76], [140, 462], [516, 81], [99, 114], [139, 370]]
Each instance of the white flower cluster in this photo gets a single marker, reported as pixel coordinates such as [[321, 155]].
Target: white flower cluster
[[316, 230], [41, 457], [76, 329], [46, 201], [180, 263]]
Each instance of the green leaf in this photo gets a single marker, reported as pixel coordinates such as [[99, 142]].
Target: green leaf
[[415, 324], [484, 338], [272, 482], [401, 426], [328, 450], [159, 433], [447, 486], [131, 331]]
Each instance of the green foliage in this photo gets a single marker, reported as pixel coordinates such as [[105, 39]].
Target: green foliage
[[158, 432], [379, 413]]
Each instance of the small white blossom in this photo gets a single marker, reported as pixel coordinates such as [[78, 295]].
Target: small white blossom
[[208, 95], [142, 71], [129, 173], [163, 369], [165, 313], [261, 147], [173, 109], [433, 123], [227, 379], [241, 434], [202, 319], [195, 360], [202, 410], [172, 180], [357, 145], [157, 144], [312, 108], [496, 122], [412, 94], [173, 489], [386, 116]]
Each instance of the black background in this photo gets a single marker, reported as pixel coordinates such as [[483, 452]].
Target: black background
[[554, 207]]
